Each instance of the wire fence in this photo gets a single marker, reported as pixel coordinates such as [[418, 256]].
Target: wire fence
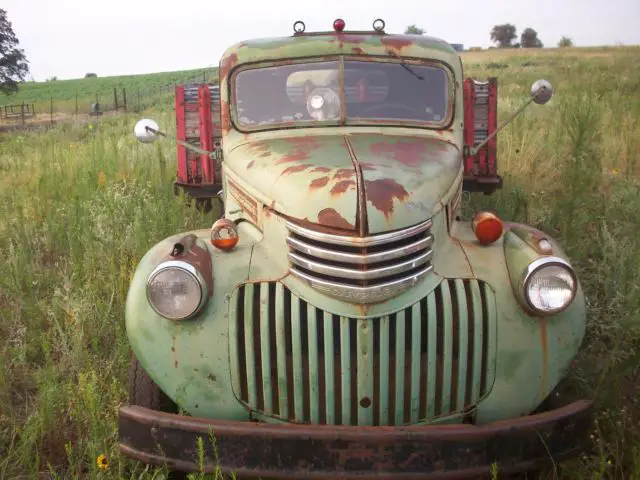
[[84, 105]]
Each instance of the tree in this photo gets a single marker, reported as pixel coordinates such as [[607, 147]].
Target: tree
[[91, 75], [529, 39], [565, 42], [413, 30], [503, 35], [14, 66]]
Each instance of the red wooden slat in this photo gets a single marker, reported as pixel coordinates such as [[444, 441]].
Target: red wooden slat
[[181, 133], [469, 103], [492, 146], [206, 139]]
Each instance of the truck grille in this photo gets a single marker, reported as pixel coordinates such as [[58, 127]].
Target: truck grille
[[361, 269], [296, 362]]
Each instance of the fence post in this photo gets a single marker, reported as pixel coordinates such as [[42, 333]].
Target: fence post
[[51, 110], [115, 98], [139, 101], [124, 98], [76, 105]]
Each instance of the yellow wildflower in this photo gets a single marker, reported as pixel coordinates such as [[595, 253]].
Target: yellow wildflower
[[102, 462], [102, 179]]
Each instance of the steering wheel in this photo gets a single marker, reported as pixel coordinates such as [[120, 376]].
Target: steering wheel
[[399, 106]]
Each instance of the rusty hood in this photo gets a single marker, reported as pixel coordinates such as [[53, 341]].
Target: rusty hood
[[315, 178], [404, 177]]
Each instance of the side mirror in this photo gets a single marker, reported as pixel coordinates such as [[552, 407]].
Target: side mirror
[[146, 130], [541, 91]]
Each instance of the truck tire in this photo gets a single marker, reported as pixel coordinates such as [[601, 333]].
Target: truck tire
[[144, 392]]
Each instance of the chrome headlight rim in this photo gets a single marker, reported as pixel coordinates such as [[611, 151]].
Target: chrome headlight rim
[[190, 270], [535, 267]]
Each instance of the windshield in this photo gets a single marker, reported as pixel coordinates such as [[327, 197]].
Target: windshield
[[312, 93]]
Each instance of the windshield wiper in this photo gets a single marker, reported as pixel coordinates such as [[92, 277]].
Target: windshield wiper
[[404, 65]]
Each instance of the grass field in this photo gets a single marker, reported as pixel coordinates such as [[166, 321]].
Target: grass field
[[79, 206], [140, 89]]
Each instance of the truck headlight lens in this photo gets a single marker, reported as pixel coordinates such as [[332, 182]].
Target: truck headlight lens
[[176, 290], [549, 285]]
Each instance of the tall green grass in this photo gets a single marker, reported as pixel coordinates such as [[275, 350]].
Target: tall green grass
[[80, 205], [142, 90]]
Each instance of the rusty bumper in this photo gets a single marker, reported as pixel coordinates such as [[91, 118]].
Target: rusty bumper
[[307, 451]]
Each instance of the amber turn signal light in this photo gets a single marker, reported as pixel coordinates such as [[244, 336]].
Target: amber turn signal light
[[487, 227], [224, 234]]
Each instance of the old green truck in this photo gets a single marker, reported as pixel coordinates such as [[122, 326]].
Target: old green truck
[[341, 320]]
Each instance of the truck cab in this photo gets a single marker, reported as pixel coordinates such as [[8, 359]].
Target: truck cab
[[341, 289]]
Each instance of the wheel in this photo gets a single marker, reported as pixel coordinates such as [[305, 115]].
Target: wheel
[[144, 392], [204, 205]]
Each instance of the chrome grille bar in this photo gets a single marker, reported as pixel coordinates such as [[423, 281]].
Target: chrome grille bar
[[361, 269]]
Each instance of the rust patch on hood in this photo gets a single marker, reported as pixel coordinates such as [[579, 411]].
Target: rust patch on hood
[[382, 192], [295, 169], [319, 182], [331, 218], [410, 153], [344, 173], [342, 186]]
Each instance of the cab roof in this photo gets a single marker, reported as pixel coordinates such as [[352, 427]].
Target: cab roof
[[338, 42]]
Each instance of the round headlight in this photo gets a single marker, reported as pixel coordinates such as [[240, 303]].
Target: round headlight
[[549, 285], [176, 290]]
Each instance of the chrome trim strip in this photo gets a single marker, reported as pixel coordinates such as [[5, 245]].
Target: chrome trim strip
[[369, 274], [359, 259], [359, 241], [372, 294]]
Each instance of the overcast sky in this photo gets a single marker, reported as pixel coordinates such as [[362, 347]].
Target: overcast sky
[[68, 38]]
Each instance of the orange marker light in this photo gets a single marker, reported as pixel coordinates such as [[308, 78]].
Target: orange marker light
[[224, 234], [487, 227]]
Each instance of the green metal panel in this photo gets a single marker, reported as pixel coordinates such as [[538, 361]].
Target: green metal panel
[[281, 348], [447, 360], [416, 360], [384, 370], [478, 338], [252, 385], [264, 352], [366, 388], [463, 339], [345, 370], [314, 373], [329, 369]]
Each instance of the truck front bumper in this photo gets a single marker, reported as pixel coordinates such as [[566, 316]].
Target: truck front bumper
[[312, 451]]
